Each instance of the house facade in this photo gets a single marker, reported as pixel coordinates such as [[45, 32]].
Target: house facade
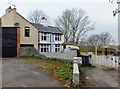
[[50, 38], [28, 32], [44, 38]]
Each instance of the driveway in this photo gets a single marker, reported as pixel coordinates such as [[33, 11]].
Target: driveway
[[15, 73], [101, 78]]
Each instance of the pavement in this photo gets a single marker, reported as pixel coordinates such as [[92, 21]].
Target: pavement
[[15, 73], [101, 78]]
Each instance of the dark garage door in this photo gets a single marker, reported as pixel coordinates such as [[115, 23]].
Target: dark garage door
[[9, 41]]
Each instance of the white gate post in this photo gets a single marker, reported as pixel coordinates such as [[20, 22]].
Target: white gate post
[[113, 62], [75, 72]]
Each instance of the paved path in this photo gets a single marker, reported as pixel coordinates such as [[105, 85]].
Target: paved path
[[101, 78], [17, 74]]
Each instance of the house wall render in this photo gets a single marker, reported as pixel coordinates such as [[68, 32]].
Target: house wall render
[[12, 17]]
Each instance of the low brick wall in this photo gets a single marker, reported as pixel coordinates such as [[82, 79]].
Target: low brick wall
[[29, 51], [18, 42]]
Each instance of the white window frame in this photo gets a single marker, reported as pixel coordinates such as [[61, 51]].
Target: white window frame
[[45, 48], [57, 47], [45, 35], [28, 30], [53, 37], [57, 37]]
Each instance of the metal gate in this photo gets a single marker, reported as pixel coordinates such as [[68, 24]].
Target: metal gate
[[9, 41]]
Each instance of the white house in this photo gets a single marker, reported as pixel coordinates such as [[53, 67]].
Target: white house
[[50, 38]]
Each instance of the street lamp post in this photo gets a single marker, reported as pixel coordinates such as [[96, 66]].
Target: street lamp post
[[117, 11], [119, 23]]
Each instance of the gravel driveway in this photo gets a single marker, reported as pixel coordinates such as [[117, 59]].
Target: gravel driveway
[[17, 74], [101, 78]]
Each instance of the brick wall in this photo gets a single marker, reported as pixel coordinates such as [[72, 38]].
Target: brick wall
[[29, 51], [18, 42]]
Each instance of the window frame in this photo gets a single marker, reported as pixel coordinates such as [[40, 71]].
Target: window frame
[[45, 36], [25, 31], [57, 48], [45, 48], [57, 37]]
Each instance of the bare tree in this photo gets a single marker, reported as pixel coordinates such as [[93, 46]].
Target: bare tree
[[75, 24], [105, 38], [93, 39], [63, 23], [36, 16], [100, 39]]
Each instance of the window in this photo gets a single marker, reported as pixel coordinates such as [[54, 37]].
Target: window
[[53, 37], [45, 48], [60, 37], [57, 48], [27, 31], [57, 37], [44, 36]]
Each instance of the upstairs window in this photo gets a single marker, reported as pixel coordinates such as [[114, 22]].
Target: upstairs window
[[57, 37], [45, 37], [27, 31]]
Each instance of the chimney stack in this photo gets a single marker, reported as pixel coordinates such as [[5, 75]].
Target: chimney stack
[[14, 9], [8, 9], [44, 21]]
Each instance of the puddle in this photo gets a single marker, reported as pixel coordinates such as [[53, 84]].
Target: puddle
[[37, 73]]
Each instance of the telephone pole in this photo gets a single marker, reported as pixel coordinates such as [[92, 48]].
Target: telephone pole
[[119, 23]]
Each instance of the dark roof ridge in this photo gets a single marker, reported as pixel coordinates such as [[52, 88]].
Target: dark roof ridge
[[50, 29], [56, 27]]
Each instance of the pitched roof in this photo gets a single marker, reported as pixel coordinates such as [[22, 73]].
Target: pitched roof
[[49, 29], [17, 14]]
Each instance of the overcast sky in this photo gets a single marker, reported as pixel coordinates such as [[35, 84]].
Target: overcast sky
[[99, 11]]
